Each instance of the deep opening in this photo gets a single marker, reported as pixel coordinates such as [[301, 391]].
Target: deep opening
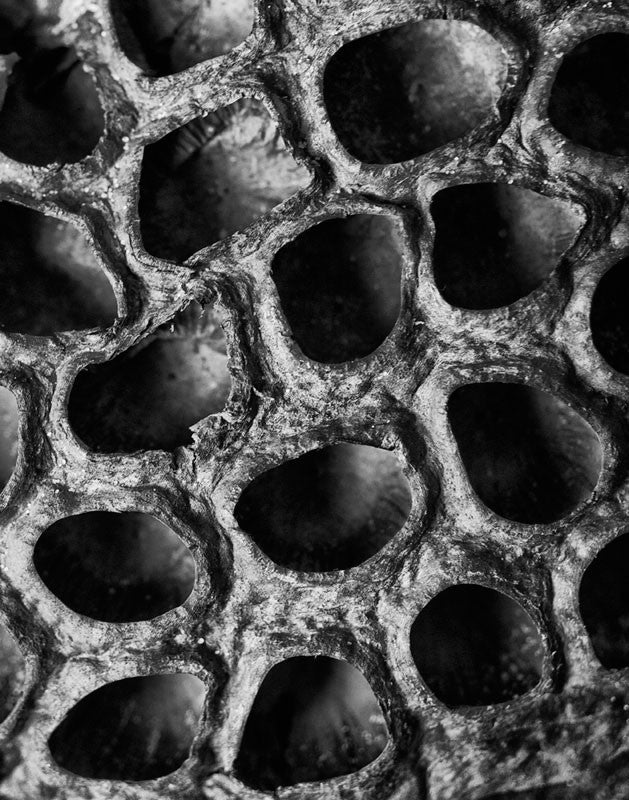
[[9, 430], [496, 243], [589, 101], [313, 719], [604, 602], [51, 110], [339, 286], [11, 672], [149, 396], [212, 178], [51, 278], [167, 36], [115, 567], [474, 646], [402, 92], [529, 456], [609, 320], [329, 509], [133, 729]]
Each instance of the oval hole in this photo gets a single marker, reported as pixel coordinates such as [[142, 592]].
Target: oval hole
[[51, 110], [604, 602], [212, 178], [402, 92], [167, 36], [609, 320], [475, 646], [149, 396], [339, 286], [115, 567], [528, 455], [496, 243], [51, 278], [12, 671], [313, 719], [133, 729], [329, 509], [9, 430], [589, 101]]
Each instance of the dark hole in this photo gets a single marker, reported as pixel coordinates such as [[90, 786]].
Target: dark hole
[[313, 719], [134, 729], [609, 319], [51, 111], [115, 567], [604, 601], [328, 509], [528, 455], [9, 423], [11, 672], [212, 178], [339, 285], [404, 91], [496, 243], [589, 101], [474, 646], [51, 279], [167, 36], [148, 397]]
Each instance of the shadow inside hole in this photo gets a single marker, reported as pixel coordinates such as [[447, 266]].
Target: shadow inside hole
[[496, 243], [12, 671], [9, 432], [528, 455], [313, 719], [476, 646], [167, 36], [115, 567], [339, 286], [149, 396], [402, 92], [212, 178], [609, 320], [604, 603], [52, 281], [51, 110], [589, 101], [133, 729], [329, 509]]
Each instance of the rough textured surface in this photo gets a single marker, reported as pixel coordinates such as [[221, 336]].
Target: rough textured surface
[[568, 736]]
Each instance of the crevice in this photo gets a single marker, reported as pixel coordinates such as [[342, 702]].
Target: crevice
[[609, 320], [167, 36], [528, 455], [604, 603], [151, 395], [589, 101], [52, 281], [329, 509], [51, 110], [133, 729], [495, 243], [476, 646], [405, 91], [115, 567], [339, 286], [313, 719]]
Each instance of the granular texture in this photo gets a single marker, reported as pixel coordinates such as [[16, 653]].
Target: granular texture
[[315, 379]]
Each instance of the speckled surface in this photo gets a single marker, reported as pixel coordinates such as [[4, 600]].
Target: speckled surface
[[566, 738]]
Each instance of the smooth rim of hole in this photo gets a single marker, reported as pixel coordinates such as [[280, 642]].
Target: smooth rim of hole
[[609, 322], [303, 513], [115, 567]]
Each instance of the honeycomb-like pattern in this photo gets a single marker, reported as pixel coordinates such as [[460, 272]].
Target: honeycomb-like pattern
[[565, 735]]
